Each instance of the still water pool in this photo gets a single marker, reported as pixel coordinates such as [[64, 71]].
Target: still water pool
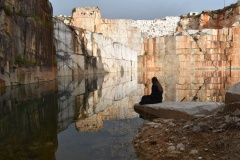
[[113, 141], [91, 117]]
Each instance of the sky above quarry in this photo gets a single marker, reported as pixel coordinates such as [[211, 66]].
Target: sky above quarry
[[139, 9]]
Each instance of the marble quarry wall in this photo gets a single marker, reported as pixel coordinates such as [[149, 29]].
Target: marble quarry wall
[[208, 40], [120, 30], [26, 42], [216, 19], [195, 85], [158, 27], [87, 18], [197, 47], [81, 51]]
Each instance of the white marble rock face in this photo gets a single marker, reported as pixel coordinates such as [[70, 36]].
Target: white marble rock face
[[158, 27], [102, 54]]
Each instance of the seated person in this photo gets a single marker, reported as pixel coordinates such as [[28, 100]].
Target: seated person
[[155, 96]]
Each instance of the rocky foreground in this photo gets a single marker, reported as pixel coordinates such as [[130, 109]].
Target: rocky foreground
[[212, 137]]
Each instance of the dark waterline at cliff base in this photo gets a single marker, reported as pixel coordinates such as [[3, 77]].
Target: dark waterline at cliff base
[[91, 117]]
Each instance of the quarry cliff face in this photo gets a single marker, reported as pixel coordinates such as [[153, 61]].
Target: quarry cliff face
[[202, 46], [91, 44], [119, 30], [26, 42], [208, 40], [215, 19], [80, 51]]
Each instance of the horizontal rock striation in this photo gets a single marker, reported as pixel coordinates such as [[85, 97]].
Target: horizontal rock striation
[[208, 40]]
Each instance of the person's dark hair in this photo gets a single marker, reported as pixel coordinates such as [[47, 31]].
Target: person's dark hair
[[156, 82]]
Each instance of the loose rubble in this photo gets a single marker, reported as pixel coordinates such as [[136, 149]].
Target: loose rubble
[[211, 137]]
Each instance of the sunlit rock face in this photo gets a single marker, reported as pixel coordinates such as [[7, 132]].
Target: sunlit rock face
[[83, 52], [111, 56], [26, 42], [191, 49], [217, 19], [119, 30], [209, 40], [87, 18], [158, 27]]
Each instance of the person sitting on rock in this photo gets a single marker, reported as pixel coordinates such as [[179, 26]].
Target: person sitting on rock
[[155, 96]]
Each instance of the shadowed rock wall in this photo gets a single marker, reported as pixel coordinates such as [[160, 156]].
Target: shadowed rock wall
[[26, 41], [205, 41]]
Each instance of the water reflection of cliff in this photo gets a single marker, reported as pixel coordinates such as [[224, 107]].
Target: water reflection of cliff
[[186, 85], [95, 98], [28, 122]]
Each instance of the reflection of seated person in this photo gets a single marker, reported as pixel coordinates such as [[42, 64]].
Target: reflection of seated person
[[155, 96]]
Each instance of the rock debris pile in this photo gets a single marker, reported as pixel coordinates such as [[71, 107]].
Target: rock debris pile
[[204, 137]]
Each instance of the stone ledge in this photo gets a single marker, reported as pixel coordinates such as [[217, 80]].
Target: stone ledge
[[178, 110], [233, 94]]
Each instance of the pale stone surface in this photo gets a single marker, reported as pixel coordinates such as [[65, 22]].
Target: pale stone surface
[[119, 30], [84, 52], [204, 37], [87, 18], [179, 110], [157, 27]]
